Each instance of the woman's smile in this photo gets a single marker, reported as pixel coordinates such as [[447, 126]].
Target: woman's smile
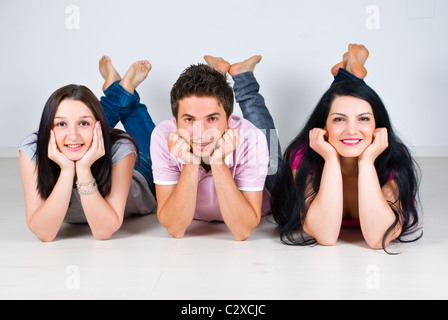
[[351, 142], [74, 147]]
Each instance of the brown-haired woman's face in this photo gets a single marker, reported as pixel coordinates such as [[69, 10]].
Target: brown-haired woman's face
[[350, 126], [73, 127]]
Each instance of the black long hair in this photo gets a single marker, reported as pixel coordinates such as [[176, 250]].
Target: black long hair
[[48, 171], [289, 201]]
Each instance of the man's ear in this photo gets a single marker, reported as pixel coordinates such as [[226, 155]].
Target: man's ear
[[229, 121]]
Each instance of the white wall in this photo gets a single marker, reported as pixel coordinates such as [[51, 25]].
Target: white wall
[[299, 40]]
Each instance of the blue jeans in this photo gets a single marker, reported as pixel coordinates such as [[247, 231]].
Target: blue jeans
[[254, 109], [121, 105], [344, 75]]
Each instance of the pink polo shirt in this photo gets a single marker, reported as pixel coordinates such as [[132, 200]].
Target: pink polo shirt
[[248, 165]]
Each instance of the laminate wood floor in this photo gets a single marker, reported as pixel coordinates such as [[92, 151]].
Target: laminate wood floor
[[142, 261]]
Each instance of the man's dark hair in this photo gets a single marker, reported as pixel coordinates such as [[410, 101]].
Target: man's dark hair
[[202, 81]]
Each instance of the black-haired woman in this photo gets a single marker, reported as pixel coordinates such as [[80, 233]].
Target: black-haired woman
[[347, 167]]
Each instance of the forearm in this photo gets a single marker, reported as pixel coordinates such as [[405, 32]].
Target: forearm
[[238, 214], [178, 211], [375, 214], [324, 217], [103, 220], [46, 221]]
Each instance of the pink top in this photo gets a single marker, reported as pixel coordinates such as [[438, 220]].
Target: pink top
[[248, 165], [295, 165]]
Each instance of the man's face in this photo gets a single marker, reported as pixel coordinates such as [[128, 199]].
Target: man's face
[[201, 121]]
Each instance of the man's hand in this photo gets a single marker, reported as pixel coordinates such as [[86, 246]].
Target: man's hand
[[229, 141], [180, 148]]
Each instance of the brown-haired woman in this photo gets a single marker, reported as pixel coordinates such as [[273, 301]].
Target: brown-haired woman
[[78, 168]]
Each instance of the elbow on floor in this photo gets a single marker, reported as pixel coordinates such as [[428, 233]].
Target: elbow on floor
[[102, 236], [375, 245], [46, 238], [177, 233], [242, 235], [327, 240]]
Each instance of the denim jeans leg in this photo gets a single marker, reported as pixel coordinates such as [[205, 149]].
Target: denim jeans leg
[[344, 75], [116, 103], [254, 109], [121, 105], [140, 125]]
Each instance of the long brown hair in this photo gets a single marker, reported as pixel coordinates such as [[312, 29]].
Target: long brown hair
[[48, 171]]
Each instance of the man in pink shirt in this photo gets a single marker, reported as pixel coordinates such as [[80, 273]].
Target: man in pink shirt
[[208, 164]]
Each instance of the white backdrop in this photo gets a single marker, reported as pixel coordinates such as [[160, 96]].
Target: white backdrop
[[46, 44]]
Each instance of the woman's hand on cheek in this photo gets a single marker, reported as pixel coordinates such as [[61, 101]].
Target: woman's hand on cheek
[[96, 150], [319, 144], [379, 144], [57, 156]]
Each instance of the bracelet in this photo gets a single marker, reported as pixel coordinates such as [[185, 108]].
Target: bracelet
[[91, 190]]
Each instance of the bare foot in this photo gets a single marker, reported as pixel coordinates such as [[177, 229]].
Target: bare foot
[[107, 70], [245, 66], [343, 65], [357, 56], [218, 64], [136, 74]]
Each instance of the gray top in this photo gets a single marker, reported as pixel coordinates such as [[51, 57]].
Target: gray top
[[140, 199]]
